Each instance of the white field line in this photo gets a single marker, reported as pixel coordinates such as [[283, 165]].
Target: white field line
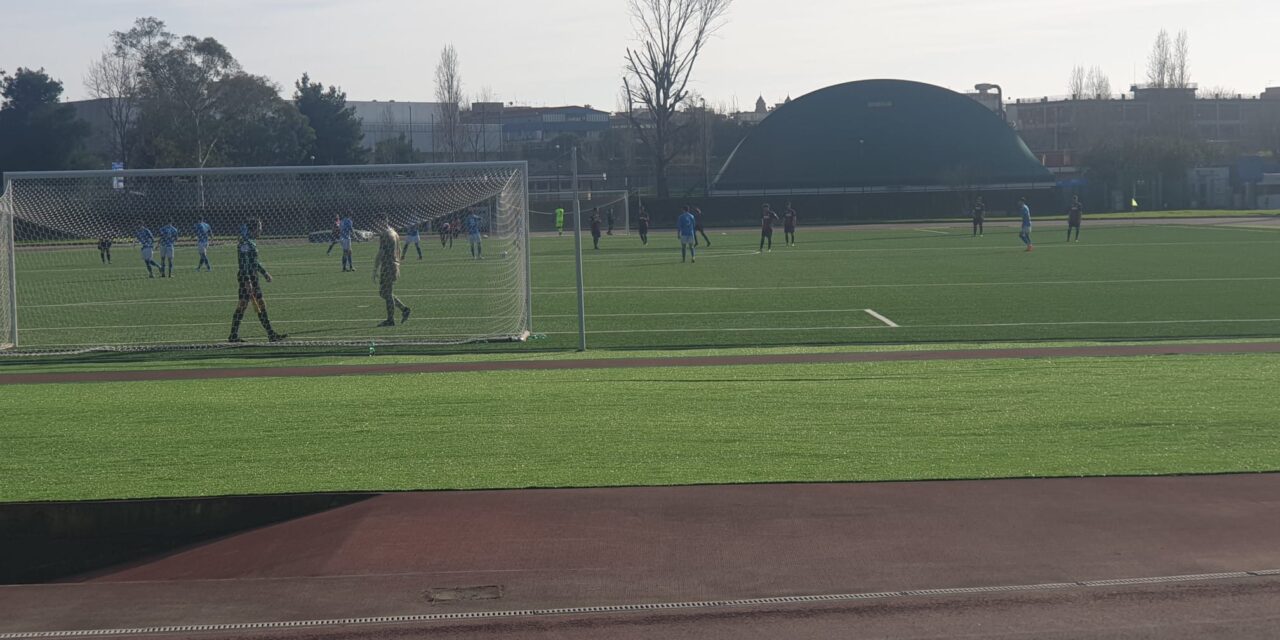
[[426, 318], [992, 249], [877, 316], [941, 233], [554, 291], [368, 294]]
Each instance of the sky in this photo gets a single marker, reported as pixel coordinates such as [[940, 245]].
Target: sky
[[552, 52]]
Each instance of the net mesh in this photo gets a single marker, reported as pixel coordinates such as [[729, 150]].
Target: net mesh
[[81, 241], [543, 205]]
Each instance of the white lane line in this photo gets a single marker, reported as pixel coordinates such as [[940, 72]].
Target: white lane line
[[941, 233], [881, 318], [616, 609]]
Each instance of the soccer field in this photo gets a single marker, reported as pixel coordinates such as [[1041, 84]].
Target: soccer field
[[910, 285]]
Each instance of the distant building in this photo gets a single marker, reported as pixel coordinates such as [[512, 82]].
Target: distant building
[[543, 124], [420, 124]]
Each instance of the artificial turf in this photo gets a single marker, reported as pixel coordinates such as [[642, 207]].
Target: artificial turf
[[780, 423], [1121, 282]]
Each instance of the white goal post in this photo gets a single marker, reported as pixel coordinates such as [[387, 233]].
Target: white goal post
[[80, 252]]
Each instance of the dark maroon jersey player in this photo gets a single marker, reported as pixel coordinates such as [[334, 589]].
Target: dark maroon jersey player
[[767, 219]]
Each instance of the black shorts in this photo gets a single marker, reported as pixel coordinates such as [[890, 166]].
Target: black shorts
[[789, 229], [249, 289], [766, 233], [1073, 224]]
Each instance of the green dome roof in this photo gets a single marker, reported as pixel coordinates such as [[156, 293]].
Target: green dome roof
[[883, 135]]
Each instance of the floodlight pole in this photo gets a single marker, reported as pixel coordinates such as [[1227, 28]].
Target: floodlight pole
[[577, 253]]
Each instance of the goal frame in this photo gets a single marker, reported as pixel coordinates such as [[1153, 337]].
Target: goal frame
[[624, 196], [9, 213]]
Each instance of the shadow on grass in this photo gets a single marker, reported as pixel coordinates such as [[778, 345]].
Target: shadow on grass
[[50, 541]]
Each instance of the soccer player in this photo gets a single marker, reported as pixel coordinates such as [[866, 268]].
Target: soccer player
[[595, 228], [248, 269], [148, 242], [685, 228], [168, 239], [104, 249], [789, 226], [979, 217], [767, 220], [1026, 223], [1073, 217], [345, 230], [446, 234], [473, 234], [337, 228], [644, 226], [415, 239], [609, 218], [560, 220], [697, 218], [386, 270], [203, 233]]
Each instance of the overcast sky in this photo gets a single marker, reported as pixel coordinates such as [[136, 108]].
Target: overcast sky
[[546, 52]]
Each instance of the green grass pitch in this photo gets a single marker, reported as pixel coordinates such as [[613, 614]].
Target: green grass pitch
[[858, 422], [938, 285], [849, 422]]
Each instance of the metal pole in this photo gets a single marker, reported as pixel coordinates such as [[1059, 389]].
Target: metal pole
[[13, 262], [577, 254], [528, 254]]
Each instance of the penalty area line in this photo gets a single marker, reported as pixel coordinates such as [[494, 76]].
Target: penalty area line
[[877, 316]]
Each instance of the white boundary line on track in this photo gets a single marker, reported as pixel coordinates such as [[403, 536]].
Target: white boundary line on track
[[941, 233], [616, 609], [877, 316]]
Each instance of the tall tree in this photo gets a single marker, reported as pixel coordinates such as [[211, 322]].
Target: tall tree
[[449, 95], [1076, 83], [1098, 84], [180, 89], [37, 131], [256, 127], [338, 133], [1179, 64], [113, 80], [672, 34], [1160, 61]]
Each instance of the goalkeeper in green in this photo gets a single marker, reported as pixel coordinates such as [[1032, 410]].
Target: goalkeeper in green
[[386, 270], [247, 276]]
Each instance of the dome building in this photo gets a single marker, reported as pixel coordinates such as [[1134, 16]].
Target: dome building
[[881, 137]]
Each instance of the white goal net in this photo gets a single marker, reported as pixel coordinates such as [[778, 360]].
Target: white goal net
[[153, 259], [613, 208]]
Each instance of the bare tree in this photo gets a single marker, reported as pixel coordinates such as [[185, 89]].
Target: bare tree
[[672, 34], [449, 95], [1076, 83], [1179, 67], [113, 79], [1220, 93], [1160, 61], [1099, 85]]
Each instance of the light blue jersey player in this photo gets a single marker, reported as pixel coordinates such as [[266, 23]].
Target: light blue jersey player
[[168, 239], [148, 242], [345, 231], [413, 237], [1025, 210], [472, 223], [686, 226], [203, 233]]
